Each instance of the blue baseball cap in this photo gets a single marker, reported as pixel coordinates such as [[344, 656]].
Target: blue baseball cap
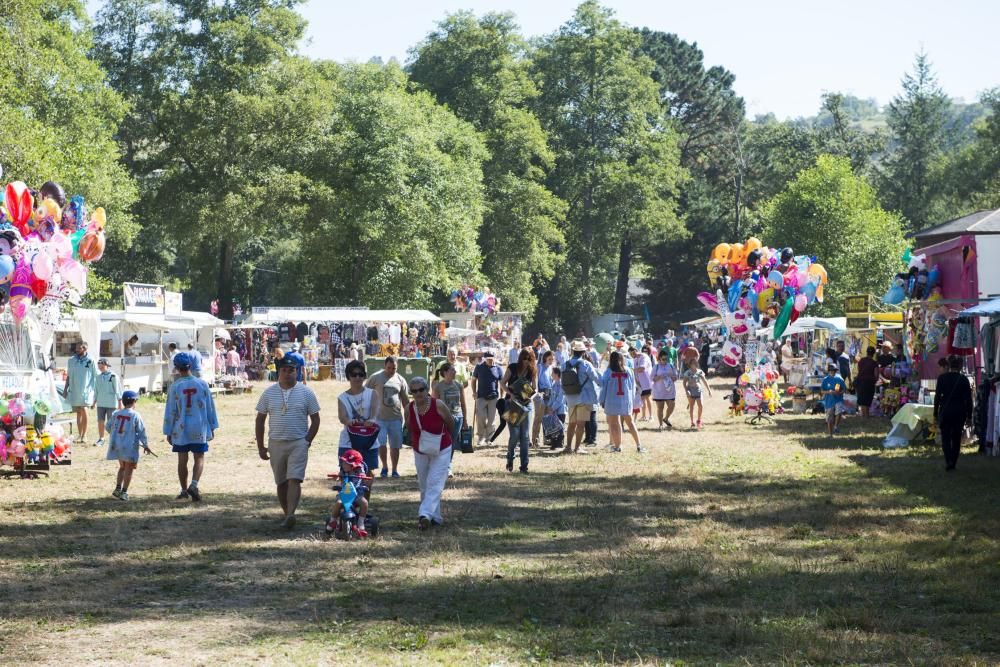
[[182, 360], [129, 395]]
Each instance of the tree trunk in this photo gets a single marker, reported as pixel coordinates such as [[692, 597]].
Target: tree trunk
[[226, 280], [624, 268]]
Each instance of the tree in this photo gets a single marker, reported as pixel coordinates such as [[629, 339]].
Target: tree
[[830, 212], [917, 120], [58, 117], [396, 199], [222, 113], [478, 70], [617, 159]]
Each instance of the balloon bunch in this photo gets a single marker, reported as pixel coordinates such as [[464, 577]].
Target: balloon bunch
[[916, 283], [24, 433], [46, 243], [757, 284], [473, 299]]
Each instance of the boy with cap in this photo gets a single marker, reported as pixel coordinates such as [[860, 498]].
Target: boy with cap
[[108, 392], [189, 422], [127, 432], [833, 388]]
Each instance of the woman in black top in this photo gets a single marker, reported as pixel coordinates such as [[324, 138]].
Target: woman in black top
[[952, 409]]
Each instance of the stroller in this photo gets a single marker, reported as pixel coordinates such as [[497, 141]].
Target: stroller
[[756, 407]]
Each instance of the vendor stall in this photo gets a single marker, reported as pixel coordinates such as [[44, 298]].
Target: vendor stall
[[324, 334]]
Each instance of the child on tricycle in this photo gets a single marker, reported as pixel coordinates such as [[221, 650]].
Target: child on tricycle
[[347, 518]]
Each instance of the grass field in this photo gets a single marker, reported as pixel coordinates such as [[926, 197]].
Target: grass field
[[735, 545]]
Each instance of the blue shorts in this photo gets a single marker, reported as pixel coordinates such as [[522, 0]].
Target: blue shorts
[[391, 431], [195, 448], [370, 457]]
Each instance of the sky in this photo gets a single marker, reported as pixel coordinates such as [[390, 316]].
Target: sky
[[785, 53]]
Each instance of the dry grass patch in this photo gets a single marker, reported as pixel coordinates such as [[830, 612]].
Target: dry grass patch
[[733, 545]]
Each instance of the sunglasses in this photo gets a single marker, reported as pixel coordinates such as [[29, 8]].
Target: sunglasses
[[357, 375], [418, 391]]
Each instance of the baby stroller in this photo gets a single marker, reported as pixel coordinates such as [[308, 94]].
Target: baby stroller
[[756, 407]]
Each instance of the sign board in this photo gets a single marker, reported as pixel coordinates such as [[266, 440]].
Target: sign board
[[173, 303], [858, 322], [856, 304], [140, 298]]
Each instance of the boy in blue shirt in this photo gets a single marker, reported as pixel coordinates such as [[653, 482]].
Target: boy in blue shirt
[[189, 422], [108, 393], [126, 433], [833, 389]]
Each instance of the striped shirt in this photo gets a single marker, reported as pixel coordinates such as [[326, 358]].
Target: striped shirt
[[288, 411]]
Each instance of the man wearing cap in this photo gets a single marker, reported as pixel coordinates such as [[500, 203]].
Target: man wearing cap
[[189, 422], [486, 388], [580, 404], [292, 413], [300, 363], [108, 396], [81, 380]]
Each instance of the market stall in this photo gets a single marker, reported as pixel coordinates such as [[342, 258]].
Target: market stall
[[324, 334]]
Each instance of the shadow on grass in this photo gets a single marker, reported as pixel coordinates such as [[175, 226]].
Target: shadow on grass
[[575, 567]]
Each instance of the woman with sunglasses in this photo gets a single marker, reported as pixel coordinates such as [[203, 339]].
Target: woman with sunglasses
[[356, 406], [431, 424]]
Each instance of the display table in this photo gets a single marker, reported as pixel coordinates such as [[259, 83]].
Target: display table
[[907, 423]]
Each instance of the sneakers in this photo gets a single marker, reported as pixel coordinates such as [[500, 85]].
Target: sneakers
[[510, 467], [117, 493], [331, 525], [384, 473], [183, 495], [100, 441], [640, 449], [394, 474], [123, 495], [423, 523], [194, 493]]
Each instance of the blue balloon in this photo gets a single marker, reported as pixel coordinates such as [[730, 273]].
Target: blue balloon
[[809, 289], [933, 277], [895, 295], [6, 267]]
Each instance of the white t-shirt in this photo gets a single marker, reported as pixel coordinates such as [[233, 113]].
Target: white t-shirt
[[360, 406], [288, 411]]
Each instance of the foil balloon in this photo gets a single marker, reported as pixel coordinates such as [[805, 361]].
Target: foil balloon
[[18, 200], [20, 293]]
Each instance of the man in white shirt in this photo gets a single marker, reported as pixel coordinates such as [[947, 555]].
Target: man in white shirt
[[293, 412]]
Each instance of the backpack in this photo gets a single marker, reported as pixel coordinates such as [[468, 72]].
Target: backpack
[[571, 380]]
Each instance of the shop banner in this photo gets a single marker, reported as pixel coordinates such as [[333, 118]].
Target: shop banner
[[140, 298], [173, 303]]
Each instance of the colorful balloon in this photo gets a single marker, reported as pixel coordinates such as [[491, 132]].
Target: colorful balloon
[[18, 200], [91, 246]]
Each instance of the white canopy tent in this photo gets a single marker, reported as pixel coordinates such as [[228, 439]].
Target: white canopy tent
[[835, 325], [273, 315], [984, 309], [704, 321]]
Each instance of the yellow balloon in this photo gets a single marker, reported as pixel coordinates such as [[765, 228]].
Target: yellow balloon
[[736, 253], [714, 268], [99, 217], [818, 270], [721, 252], [764, 299], [753, 243]]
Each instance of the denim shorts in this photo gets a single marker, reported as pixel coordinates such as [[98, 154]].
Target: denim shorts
[[390, 431]]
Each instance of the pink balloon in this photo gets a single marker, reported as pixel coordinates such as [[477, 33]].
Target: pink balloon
[[74, 273], [41, 264], [800, 303], [60, 245]]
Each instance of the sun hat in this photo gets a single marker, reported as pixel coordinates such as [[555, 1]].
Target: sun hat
[[353, 458], [578, 346]]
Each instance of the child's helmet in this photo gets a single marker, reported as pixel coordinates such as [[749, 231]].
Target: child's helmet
[[353, 458]]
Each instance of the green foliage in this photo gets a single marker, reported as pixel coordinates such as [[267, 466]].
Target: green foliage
[[478, 70], [57, 115], [617, 160], [917, 120], [830, 212], [396, 197]]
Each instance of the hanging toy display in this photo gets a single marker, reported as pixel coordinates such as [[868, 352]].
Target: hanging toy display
[[475, 300]]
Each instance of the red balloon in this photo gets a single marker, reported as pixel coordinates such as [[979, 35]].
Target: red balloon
[[795, 316], [39, 287], [19, 203]]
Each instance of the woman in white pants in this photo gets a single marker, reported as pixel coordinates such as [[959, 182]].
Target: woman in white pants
[[431, 425]]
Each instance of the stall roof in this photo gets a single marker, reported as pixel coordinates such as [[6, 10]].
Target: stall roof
[[985, 309], [273, 315], [200, 319], [805, 324], [711, 319], [459, 332], [113, 320]]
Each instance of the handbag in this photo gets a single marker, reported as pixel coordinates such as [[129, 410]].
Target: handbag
[[362, 436], [429, 443], [465, 440], [515, 413]]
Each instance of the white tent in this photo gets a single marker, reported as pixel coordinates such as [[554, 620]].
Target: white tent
[[274, 315], [836, 325]]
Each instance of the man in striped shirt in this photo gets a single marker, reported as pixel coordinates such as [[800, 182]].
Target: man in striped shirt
[[293, 413]]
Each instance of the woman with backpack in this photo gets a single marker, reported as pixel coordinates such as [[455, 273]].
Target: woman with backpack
[[521, 383]]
